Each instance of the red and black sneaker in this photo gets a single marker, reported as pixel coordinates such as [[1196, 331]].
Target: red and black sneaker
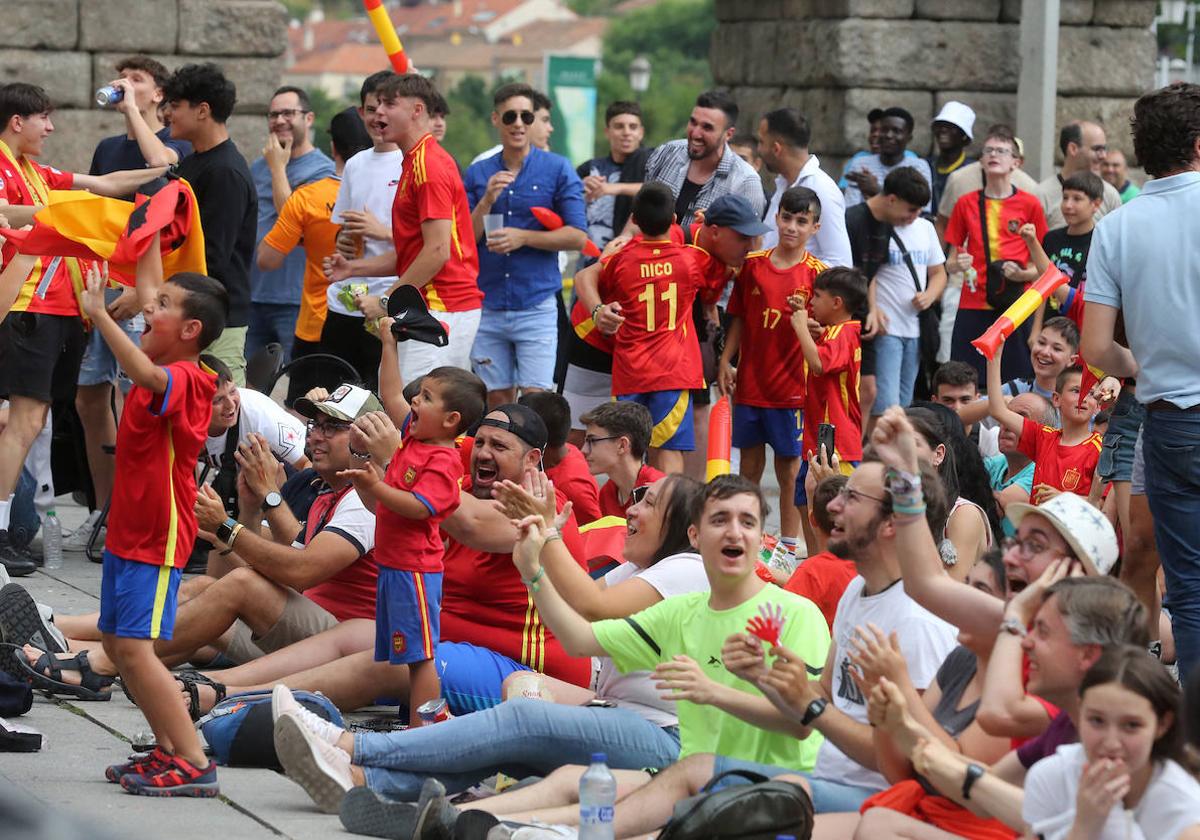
[[177, 777], [139, 764]]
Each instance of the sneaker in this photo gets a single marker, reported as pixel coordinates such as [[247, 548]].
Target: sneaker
[[283, 702], [435, 816], [176, 777], [18, 562], [139, 764], [321, 769], [21, 621], [81, 536], [363, 811]]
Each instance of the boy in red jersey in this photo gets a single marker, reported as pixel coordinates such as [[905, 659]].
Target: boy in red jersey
[[832, 364], [1064, 459], [768, 384], [151, 522], [651, 284], [420, 488]]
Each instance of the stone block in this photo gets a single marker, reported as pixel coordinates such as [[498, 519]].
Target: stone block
[[838, 116], [1098, 60], [863, 8], [727, 55], [803, 56], [47, 24], [1124, 13], [753, 102], [734, 10], [1113, 113], [130, 25], [249, 133], [76, 133], [256, 78], [66, 76], [1069, 11], [959, 9], [232, 27]]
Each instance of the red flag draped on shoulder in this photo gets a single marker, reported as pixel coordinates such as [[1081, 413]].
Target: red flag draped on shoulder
[[76, 223]]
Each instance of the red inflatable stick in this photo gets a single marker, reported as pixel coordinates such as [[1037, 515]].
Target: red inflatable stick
[[552, 221], [1038, 293], [720, 440], [387, 35], [768, 624]]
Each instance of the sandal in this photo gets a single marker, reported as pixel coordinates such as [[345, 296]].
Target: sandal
[[46, 674], [189, 680]]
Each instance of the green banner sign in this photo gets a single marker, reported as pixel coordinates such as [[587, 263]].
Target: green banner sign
[[571, 86]]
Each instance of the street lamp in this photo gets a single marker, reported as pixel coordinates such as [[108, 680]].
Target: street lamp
[[639, 75]]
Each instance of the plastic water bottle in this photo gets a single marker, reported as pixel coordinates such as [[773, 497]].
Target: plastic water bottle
[[597, 799], [52, 551]]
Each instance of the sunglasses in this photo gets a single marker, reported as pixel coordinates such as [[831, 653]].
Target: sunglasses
[[638, 493], [510, 117]]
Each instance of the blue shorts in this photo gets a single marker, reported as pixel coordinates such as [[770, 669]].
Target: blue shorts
[[517, 347], [473, 677], [801, 496], [671, 414], [407, 615], [137, 600], [780, 428], [828, 797]]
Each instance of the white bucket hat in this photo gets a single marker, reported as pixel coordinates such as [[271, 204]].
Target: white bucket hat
[[1086, 529], [956, 113]]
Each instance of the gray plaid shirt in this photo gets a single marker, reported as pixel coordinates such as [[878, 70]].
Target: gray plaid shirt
[[669, 164]]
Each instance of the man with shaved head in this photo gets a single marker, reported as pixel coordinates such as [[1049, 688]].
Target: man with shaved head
[[1084, 148]]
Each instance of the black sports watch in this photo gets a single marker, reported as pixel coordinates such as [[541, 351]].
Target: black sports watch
[[975, 772], [272, 500], [815, 709], [224, 531]]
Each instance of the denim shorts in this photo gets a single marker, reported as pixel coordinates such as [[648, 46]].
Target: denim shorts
[[827, 797], [99, 365], [1116, 456], [517, 347]]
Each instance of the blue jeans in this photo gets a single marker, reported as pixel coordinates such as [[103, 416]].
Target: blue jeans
[[272, 322], [517, 347], [516, 736], [1171, 448], [896, 362], [827, 797]]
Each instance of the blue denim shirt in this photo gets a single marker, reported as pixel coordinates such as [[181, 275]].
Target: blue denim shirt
[[527, 276], [284, 284]]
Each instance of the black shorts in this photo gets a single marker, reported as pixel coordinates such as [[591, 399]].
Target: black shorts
[[347, 337], [867, 368], [40, 355], [969, 324]]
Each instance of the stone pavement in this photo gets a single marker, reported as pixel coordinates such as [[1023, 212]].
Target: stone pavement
[[82, 738]]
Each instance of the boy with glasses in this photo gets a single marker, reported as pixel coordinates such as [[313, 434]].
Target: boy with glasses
[[614, 444]]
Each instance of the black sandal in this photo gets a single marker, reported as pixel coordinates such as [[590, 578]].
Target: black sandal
[[91, 685], [189, 680]]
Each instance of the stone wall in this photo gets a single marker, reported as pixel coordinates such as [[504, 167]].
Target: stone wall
[[835, 60], [69, 48]]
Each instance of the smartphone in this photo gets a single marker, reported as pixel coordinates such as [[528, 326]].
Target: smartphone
[[825, 435]]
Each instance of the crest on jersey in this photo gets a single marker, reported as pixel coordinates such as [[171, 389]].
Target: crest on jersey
[[399, 643], [410, 475], [1070, 479]]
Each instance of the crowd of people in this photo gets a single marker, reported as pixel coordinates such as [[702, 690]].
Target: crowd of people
[[486, 510]]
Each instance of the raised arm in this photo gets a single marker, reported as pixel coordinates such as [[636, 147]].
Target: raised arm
[[132, 360], [997, 405]]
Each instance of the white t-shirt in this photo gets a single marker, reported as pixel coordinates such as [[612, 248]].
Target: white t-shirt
[[830, 244], [368, 182], [1170, 804], [678, 574], [925, 640], [285, 433], [894, 288], [350, 519]]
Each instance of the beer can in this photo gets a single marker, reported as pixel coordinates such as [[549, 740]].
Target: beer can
[[435, 711], [108, 96]]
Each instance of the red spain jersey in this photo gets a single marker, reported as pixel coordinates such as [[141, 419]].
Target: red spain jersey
[[1004, 218], [832, 397], [611, 506], [1067, 468], [484, 603], [770, 361], [50, 288], [431, 188], [350, 593], [434, 475], [656, 282], [151, 519]]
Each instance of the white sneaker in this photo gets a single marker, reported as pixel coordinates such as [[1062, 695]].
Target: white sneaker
[[321, 769], [79, 538], [283, 702]]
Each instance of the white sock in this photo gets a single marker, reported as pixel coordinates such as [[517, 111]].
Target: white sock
[[5, 508]]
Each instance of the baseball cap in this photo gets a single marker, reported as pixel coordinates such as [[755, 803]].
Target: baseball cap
[[1086, 529], [733, 211], [347, 403], [956, 113], [411, 318], [522, 421]]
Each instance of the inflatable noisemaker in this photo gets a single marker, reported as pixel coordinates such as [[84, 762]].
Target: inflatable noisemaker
[[387, 35], [552, 221], [1038, 293], [720, 440], [1092, 376]]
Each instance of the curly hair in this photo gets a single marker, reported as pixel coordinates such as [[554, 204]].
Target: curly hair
[[196, 83], [1166, 123]]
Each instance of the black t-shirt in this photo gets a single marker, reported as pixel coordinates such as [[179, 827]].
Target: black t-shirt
[[685, 199], [228, 212], [118, 153], [868, 239], [1069, 253]]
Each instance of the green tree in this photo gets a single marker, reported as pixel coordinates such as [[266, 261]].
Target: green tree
[[469, 126], [324, 108]]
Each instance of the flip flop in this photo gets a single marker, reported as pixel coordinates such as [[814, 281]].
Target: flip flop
[[46, 673], [21, 622]]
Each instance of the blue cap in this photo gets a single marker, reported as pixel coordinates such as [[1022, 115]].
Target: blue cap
[[733, 211], [599, 758]]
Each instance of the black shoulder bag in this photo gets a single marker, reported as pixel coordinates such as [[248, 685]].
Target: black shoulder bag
[[759, 811], [1001, 292], [929, 319]]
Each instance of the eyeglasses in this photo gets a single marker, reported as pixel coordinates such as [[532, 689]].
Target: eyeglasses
[[997, 151], [510, 117], [849, 495], [1027, 548], [286, 113], [591, 440], [1100, 148], [638, 493], [328, 428]]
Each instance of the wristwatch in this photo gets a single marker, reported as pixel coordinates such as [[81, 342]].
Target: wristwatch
[[1014, 627], [224, 531], [383, 301], [272, 500], [815, 709], [974, 774]]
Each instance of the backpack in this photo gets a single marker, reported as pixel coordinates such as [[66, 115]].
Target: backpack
[[16, 695], [759, 811], [240, 732]]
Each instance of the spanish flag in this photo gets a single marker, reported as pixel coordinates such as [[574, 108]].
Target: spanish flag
[[75, 223]]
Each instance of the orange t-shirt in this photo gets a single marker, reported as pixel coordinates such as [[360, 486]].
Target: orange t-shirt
[[305, 218]]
